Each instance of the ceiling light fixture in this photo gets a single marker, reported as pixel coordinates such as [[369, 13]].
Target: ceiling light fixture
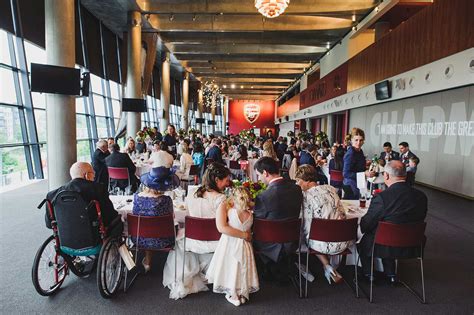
[[233, 86], [224, 86], [271, 8], [171, 17], [194, 17], [241, 86], [353, 18]]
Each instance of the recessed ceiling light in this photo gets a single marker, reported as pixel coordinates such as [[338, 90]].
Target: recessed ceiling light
[[353, 18], [233, 86], [241, 86], [224, 86]]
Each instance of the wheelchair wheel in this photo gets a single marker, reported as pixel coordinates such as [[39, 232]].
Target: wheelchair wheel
[[110, 268], [49, 268]]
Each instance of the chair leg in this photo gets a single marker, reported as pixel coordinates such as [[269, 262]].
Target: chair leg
[[307, 271], [184, 258], [355, 272], [299, 271], [371, 278], [422, 280], [421, 297]]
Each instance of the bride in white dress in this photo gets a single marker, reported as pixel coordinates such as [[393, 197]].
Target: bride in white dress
[[232, 269], [203, 204]]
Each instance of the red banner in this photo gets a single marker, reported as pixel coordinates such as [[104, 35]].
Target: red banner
[[251, 114], [332, 85]]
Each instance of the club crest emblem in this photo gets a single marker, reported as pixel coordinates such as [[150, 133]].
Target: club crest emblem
[[251, 112]]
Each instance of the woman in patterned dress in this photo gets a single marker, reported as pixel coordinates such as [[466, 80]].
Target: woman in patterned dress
[[152, 202], [322, 202]]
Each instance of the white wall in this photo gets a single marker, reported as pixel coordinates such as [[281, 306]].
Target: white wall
[[285, 127], [439, 128]]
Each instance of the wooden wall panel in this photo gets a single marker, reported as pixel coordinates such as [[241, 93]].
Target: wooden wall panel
[[440, 30]]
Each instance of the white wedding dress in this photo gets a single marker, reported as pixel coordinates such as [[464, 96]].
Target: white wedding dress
[[232, 269], [198, 253]]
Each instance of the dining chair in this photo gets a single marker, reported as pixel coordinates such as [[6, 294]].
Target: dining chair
[[401, 236], [201, 229], [150, 227], [118, 173], [280, 231], [325, 230]]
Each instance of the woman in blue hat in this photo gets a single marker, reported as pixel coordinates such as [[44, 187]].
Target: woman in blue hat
[[153, 202]]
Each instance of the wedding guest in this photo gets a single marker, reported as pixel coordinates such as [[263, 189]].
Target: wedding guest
[[411, 170], [203, 204], [215, 153], [399, 204], [98, 162], [268, 150], [82, 182], [354, 162], [240, 154], [140, 145], [119, 159], [130, 148], [274, 204], [198, 154], [321, 202], [185, 162], [110, 141], [405, 153], [232, 270], [161, 157], [282, 147], [387, 154], [152, 202], [306, 154], [170, 138]]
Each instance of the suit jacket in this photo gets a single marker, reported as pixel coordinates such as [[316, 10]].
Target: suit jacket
[[405, 158], [89, 191], [119, 159], [281, 200], [395, 155], [306, 158], [100, 168], [399, 204], [215, 154]]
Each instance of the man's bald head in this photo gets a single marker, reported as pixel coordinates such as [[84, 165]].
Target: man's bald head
[[82, 170], [394, 171]]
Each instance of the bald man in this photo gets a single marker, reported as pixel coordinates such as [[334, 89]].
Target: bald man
[[400, 204], [82, 181]]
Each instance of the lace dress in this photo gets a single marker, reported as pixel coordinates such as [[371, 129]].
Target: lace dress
[[152, 206], [198, 253], [322, 202], [232, 269]]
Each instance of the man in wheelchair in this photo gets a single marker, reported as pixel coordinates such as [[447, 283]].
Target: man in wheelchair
[[87, 232], [82, 182]]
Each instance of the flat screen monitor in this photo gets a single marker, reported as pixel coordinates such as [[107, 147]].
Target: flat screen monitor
[[136, 105], [211, 122], [55, 79], [382, 90], [200, 120]]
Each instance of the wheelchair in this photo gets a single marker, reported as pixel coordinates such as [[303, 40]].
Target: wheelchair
[[78, 245]]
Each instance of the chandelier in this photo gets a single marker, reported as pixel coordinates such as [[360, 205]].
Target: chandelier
[[271, 8]]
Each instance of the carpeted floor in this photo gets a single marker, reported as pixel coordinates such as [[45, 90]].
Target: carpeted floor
[[449, 271]]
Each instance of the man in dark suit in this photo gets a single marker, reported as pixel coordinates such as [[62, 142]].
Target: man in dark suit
[[98, 162], [306, 156], [405, 153], [400, 204], [281, 200], [215, 152], [281, 147], [82, 181], [387, 154], [119, 159]]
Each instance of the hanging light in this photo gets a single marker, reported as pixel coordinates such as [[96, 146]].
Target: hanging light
[[271, 8]]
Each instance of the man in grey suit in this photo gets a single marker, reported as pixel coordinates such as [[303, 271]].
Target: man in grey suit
[[281, 200]]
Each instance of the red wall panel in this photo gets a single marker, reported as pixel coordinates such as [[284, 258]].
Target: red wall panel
[[238, 121]]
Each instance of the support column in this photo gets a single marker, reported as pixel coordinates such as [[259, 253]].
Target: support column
[[224, 114], [60, 109], [134, 69], [330, 127], [165, 91], [213, 112], [200, 106], [381, 29], [185, 105], [308, 124]]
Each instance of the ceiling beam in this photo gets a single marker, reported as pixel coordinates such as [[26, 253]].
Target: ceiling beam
[[248, 7], [247, 80], [244, 23], [244, 49], [245, 65], [248, 57], [220, 70]]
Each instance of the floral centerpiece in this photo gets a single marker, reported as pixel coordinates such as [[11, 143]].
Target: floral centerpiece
[[290, 134], [192, 132], [181, 132], [144, 133], [247, 134], [321, 137], [255, 188], [305, 135]]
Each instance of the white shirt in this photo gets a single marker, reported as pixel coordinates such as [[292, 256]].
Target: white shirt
[[185, 163], [161, 158]]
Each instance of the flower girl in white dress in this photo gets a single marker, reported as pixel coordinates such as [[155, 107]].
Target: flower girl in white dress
[[232, 269]]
